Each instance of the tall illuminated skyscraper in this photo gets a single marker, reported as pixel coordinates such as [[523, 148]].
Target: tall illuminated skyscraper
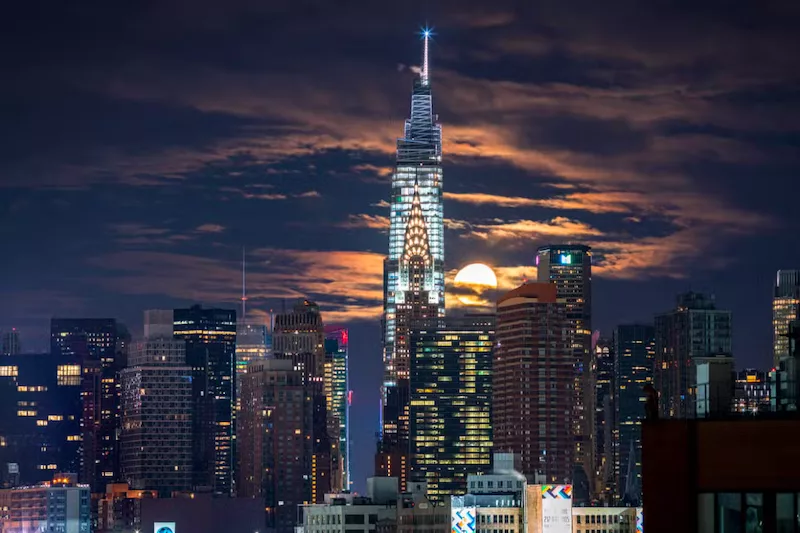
[[569, 266], [785, 308], [635, 348], [337, 395], [414, 269], [210, 336], [451, 404]]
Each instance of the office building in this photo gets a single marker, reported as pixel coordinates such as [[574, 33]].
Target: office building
[[10, 344], [157, 404], [96, 344], [417, 512], [569, 267], [60, 506], [210, 336], [634, 346], [752, 394], [251, 345], [337, 394], [451, 401], [532, 382], [414, 269], [299, 336], [604, 417], [694, 329], [737, 474], [785, 308], [40, 417], [785, 378], [715, 386], [275, 449]]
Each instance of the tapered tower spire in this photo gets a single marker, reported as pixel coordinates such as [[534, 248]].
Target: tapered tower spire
[[426, 36]]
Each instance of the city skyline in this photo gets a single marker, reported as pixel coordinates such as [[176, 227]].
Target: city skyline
[[133, 185]]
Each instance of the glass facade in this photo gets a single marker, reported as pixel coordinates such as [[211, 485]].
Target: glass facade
[[40, 418], [785, 309], [210, 336], [451, 392], [98, 346], [337, 393], [634, 345]]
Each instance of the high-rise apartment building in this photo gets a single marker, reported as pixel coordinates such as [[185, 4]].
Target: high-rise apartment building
[[337, 394], [210, 336], [533, 380], [604, 432], [634, 346], [276, 460], [156, 442], [785, 308], [694, 329], [40, 417], [569, 267], [451, 400], [94, 342], [414, 269], [299, 336], [10, 344]]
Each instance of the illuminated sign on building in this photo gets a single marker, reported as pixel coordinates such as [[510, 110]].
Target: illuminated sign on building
[[463, 520], [164, 527], [556, 508], [639, 520], [566, 259]]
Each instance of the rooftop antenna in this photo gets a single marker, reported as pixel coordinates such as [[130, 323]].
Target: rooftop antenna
[[244, 289]]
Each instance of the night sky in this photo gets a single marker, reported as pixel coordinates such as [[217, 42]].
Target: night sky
[[144, 143]]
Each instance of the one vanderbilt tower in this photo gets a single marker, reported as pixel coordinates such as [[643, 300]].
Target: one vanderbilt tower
[[413, 273]]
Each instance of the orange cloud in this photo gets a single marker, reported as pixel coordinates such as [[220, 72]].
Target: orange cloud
[[557, 227], [364, 220]]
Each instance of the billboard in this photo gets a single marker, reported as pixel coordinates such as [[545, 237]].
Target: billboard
[[639, 520], [556, 508], [463, 520], [164, 527]]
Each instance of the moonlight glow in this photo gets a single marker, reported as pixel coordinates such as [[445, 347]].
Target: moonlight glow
[[475, 278]]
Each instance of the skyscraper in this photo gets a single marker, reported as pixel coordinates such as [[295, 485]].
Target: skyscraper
[[785, 308], [337, 394], [94, 342], [604, 432], [275, 444], [569, 266], [451, 400], [156, 442], [634, 345], [40, 416], [532, 382], [299, 336], [251, 345], [414, 269], [210, 336], [694, 329], [10, 343]]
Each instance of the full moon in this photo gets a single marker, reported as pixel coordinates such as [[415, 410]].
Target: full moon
[[476, 278]]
